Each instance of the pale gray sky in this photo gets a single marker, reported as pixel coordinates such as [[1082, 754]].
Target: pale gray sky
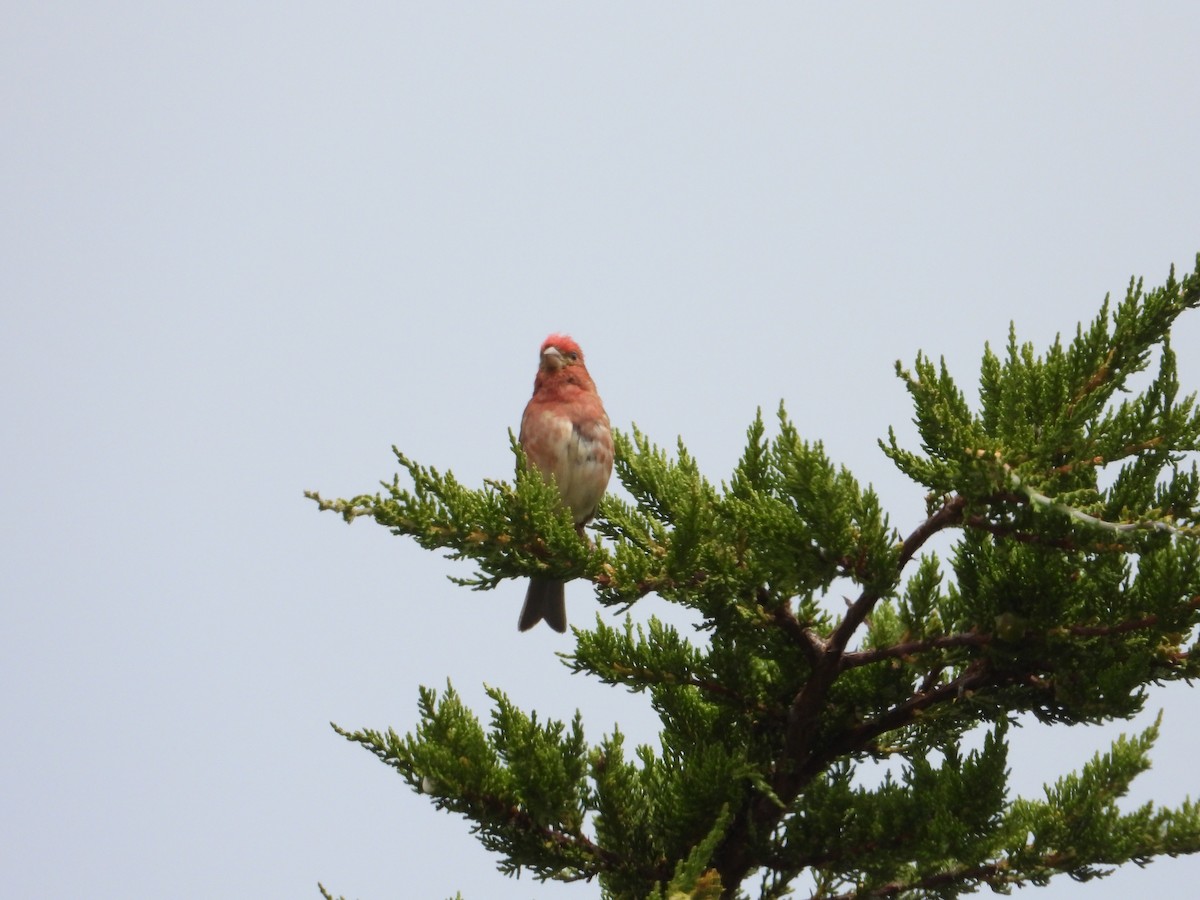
[[247, 247]]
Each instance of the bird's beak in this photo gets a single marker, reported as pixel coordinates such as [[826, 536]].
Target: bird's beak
[[552, 359]]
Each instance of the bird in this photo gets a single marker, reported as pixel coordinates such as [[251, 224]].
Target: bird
[[567, 438]]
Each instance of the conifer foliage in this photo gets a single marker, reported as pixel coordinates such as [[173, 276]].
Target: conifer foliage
[[1073, 502]]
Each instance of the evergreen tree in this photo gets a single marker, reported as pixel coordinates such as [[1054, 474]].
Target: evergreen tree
[[1073, 584]]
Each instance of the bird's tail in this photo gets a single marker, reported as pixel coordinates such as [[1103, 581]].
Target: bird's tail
[[544, 600]]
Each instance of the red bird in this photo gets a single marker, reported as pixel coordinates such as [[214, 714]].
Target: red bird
[[566, 436]]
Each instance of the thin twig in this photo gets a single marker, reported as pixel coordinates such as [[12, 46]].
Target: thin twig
[[913, 648]]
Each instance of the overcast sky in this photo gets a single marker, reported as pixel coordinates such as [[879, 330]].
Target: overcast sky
[[248, 247]]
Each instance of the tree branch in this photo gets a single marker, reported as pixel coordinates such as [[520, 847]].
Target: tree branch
[[912, 648], [810, 643], [981, 639], [951, 513], [975, 676], [796, 765], [994, 874]]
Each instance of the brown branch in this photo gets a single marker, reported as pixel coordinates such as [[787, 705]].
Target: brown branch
[[951, 513], [734, 858], [1122, 627], [912, 648], [810, 643], [1023, 537], [975, 676], [996, 875], [800, 761], [803, 713], [977, 639], [931, 678], [991, 874]]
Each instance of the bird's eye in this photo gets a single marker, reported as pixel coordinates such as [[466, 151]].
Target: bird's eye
[[572, 355]]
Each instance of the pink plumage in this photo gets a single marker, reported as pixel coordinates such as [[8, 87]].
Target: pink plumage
[[567, 438]]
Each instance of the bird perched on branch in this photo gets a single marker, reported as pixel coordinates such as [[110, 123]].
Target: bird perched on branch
[[566, 437]]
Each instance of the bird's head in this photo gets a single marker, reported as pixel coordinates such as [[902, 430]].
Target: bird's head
[[559, 351]]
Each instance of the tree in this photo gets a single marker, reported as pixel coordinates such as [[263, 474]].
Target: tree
[[1073, 584]]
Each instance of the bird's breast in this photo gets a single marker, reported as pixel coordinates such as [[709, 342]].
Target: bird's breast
[[578, 453]]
